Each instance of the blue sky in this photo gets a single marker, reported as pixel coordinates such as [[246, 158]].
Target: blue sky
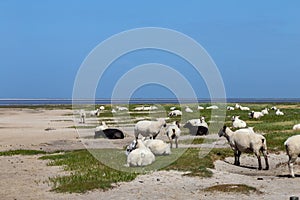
[[255, 44]]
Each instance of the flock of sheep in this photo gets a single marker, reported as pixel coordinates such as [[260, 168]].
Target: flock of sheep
[[142, 151]]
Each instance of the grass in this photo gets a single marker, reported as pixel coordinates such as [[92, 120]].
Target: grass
[[235, 188], [21, 152]]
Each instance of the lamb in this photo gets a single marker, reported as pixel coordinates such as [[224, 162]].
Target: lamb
[[292, 146], [255, 115], [175, 113], [278, 112], [296, 127], [237, 122], [82, 116], [110, 133], [138, 154], [157, 147], [149, 128], [245, 141], [265, 111], [173, 132]]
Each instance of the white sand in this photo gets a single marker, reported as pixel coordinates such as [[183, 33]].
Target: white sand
[[26, 177]]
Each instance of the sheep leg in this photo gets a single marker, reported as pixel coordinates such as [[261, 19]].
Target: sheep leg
[[171, 142], [266, 160], [237, 157], [176, 142], [291, 161], [259, 161]]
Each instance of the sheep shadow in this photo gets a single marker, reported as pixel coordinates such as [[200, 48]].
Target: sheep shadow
[[242, 166], [287, 176]]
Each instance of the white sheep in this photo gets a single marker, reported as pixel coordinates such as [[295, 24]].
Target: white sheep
[[273, 108], [265, 111], [238, 106], [292, 146], [95, 112], [296, 127], [188, 109], [138, 154], [278, 112], [157, 147], [200, 108], [121, 108], [82, 116], [255, 115], [175, 113], [149, 128], [245, 141], [173, 132], [230, 108], [139, 108], [101, 108], [213, 107], [237, 122], [173, 108]]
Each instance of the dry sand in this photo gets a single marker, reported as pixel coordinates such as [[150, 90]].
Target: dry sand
[[26, 177]]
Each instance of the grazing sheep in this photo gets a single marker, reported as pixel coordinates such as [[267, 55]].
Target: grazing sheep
[[296, 127], [255, 115], [292, 146], [212, 107], [173, 132], [278, 112], [246, 141], [230, 108], [138, 154], [82, 116], [149, 128], [110, 133], [175, 113], [200, 108], [237, 122], [188, 109], [265, 111], [157, 147]]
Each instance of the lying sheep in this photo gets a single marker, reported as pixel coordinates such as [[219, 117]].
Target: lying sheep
[[245, 141], [200, 108], [110, 133], [157, 147], [265, 111], [95, 112], [138, 154], [229, 108], [255, 115], [188, 109], [296, 127], [173, 132], [238, 106], [292, 146], [237, 122], [121, 108], [213, 107], [278, 112], [175, 113], [197, 126], [149, 128]]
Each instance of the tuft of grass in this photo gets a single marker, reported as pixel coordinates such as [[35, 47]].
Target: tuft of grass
[[21, 152], [235, 188]]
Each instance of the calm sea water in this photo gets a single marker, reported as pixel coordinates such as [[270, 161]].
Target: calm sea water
[[7, 102]]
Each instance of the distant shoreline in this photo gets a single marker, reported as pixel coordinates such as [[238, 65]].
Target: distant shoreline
[[12, 102]]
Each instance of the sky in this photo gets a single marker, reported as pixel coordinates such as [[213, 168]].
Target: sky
[[254, 44]]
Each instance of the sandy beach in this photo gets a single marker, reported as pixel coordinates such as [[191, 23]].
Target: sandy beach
[[26, 177]]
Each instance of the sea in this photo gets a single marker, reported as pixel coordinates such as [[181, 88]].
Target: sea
[[11, 102]]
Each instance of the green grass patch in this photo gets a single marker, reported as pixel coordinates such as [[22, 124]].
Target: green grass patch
[[275, 140], [21, 152]]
